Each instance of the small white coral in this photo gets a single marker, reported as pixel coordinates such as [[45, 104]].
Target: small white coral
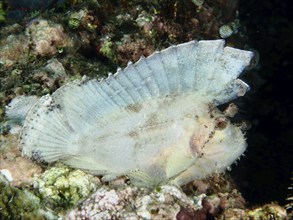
[[198, 2], [225, 31], [141, 205], [104, 204], [132, 203], [61, 185]]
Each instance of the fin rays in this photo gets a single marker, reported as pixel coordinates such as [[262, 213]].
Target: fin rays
[[57, 126]]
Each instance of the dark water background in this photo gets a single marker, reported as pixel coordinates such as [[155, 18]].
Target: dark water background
[[264, 174]]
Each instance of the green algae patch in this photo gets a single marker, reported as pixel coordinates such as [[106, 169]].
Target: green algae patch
[[2, 13], [64, 187], [21, 204]]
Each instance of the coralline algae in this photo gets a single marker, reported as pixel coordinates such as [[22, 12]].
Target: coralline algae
[[133, 203], [47, 37], [20, 204], [62, 186], [156, 121]]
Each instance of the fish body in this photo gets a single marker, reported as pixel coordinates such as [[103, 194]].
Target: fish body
[[156, 121]]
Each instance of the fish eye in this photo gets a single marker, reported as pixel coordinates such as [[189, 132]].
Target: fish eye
[[221, 123]]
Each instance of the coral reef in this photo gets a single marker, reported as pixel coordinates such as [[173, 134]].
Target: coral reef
[[198, 2], [125, 30], [83, 19], [107, 49], [225, 31], [21, 204], [47, 38], [41, 38], [63, 187], [134, 203], [14, 48], [168, 202], [229, 29], [269, 211], [103, 30]]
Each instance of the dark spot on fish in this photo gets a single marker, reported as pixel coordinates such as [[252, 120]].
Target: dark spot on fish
[[37, 156], [211, 134], [152, 121], [193, 145], [103, 137], [134, 171], [221, 123], [133, 134], [167, 101], [134, 107]]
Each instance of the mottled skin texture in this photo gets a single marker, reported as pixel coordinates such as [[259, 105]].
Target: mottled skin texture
[[155, 121]]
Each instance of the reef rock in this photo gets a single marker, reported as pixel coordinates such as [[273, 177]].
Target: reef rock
[[47, 37], [132, 203]]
